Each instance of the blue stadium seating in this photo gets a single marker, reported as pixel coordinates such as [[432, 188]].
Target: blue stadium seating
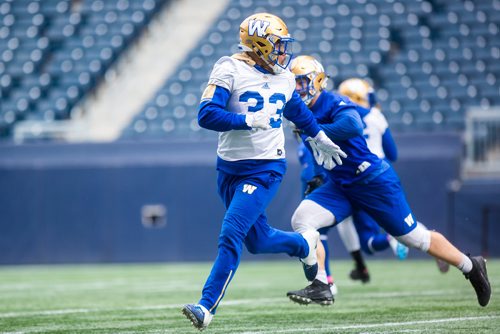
[[429, 60], [54, 52]]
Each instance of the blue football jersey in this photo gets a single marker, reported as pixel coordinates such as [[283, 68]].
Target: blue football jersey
[[361, 165]]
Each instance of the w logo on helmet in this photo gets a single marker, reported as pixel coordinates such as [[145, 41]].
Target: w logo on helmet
[[258, 26]]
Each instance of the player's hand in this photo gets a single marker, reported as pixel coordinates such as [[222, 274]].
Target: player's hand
[[326, 153], [259, 120], [313, 183], [321, 158]]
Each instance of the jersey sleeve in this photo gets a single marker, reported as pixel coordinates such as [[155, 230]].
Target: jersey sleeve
[[223, 73], [346, 124], [345, 120], [212, 113], [297, 112]]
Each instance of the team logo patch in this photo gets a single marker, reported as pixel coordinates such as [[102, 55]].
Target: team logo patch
[[249, 189], [409, 220]]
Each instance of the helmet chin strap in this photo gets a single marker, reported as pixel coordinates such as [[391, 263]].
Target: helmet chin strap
[[259, 61]]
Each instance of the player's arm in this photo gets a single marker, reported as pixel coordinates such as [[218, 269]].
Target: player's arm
[[212, 113], [297, 112], [326, 153], [389, 146], [346, 124]]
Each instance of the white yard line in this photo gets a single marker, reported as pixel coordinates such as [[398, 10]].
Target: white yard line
[[329, 329], [227, 302], [132, 308]]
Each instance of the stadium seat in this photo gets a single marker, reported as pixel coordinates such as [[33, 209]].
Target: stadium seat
[[68, 48], [447, 60]]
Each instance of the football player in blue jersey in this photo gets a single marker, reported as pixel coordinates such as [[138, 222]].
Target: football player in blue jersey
[[363, 182], [380, 141], [246, 97], [358, 231]]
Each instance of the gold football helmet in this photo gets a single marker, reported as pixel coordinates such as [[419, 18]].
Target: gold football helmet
[[267, 36], [310, 77], [358, 91]]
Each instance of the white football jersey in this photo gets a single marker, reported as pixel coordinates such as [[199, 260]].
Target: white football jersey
[[376, 125], [251, 91]]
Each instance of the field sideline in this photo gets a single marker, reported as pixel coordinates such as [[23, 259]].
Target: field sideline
[[403, 297]]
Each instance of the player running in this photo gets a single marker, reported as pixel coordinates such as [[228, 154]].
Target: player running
[[358, 231], [246, 97], [364, 182]]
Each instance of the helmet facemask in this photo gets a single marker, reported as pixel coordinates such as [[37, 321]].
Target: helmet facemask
[[282, 52], [305, 88]]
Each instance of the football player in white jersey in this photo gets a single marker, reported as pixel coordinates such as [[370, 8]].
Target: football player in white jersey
[[364, 182], [246, 97]]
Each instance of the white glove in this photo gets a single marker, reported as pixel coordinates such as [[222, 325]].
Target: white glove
[[326, 153], [258, 120]]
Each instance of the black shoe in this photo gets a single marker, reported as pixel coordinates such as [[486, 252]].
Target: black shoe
[[478, 277], [358, 274], [318, 292]]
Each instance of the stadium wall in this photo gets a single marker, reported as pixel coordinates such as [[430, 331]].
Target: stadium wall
[[63, 203]]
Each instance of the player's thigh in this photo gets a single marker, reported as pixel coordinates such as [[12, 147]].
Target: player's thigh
[[324, 207], [250, 198], [384, 200], [226, 184], [364, 223]]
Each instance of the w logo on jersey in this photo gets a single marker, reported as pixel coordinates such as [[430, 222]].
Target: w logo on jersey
[[249, 189], [409, 220], [257, 26]]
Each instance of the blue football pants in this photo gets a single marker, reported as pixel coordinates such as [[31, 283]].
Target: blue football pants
[[246, 198]]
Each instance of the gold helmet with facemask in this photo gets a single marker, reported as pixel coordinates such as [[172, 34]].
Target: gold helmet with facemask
[[267, 36], [358, 91], [310, 77]]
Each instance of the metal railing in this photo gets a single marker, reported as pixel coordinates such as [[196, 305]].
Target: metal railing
[[482, 142]]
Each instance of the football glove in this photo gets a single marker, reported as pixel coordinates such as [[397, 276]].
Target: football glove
[[259, 120], [325, 151], [313, 183]]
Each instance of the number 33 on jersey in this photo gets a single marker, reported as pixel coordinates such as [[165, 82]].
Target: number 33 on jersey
[[250, 91]]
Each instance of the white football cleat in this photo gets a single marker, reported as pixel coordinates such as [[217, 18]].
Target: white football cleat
[[200, 317]]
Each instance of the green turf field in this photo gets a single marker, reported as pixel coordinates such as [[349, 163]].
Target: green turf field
[[403, 297]]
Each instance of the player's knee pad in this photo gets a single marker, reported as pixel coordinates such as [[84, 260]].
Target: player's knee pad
[[311, 215], [419, 238]]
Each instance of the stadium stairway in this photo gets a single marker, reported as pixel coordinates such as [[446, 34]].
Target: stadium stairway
[[142, 71]]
